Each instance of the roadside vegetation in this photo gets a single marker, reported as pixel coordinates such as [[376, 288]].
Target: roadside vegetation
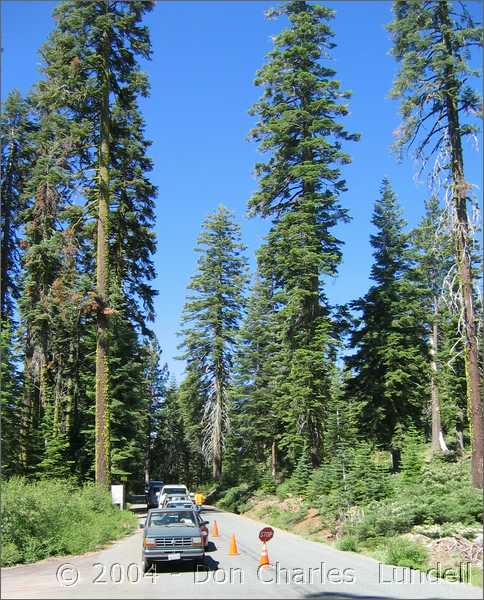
[[426, 514], [54, 518]]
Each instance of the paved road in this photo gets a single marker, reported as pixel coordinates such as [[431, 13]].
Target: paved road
[[300, 569]]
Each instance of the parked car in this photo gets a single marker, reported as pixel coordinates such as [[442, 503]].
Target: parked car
[[172, 490], [152, 492], [172, 535], [184, 503]]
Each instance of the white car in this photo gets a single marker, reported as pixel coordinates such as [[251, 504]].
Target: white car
[[171, 490]]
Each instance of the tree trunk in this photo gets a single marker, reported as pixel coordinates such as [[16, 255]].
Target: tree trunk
[[396, 459], [103, 448], [459, 434], [463, 257], [438, 441], [274, 460], [217, 430]]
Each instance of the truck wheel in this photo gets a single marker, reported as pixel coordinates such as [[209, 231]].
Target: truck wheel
[[147, 564]]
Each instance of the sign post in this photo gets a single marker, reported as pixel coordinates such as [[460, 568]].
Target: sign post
[[117, 495], [266, 534]]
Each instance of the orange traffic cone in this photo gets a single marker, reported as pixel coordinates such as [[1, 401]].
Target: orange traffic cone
[[233, 550], [264, 557], [215, 532]]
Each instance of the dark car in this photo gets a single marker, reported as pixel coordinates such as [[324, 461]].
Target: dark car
[[172, 535], [152, 492]]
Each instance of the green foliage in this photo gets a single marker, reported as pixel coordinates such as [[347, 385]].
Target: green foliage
[[436, 531], [10, 401], [302, 473], [299, 184], [442, 494], [235, 498], [16, 128], [348, 543], [405, 553], [283, 518], [431, 42], [389, 368], [255, 427], [55, 517], [210, 321], [60, 302], [412, 457], [283, 490], [384, 518]]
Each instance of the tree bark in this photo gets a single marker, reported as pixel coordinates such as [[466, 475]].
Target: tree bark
[[463, 257], [217, 430], [396, 459], [274, 460], [438, 441], [103, 448]]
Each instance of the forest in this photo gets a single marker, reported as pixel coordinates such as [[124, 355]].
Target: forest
[[279, 385]]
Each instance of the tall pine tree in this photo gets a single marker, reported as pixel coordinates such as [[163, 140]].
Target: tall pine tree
[[92, 74], [432, 41], [299, 188], [16, 128], [210, 321], [388, 370]]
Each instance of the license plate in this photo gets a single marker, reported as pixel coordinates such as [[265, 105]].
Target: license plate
[[175, 556]]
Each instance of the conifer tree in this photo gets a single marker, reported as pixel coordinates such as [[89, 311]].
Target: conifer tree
[[171, 453], [388, 369], [210, 321], [156, 378], [299, 188], [10, 402], [432, 41], [255, 421], [16, 129], [191, 402], [434, 260], [49, 188], [92, 74]]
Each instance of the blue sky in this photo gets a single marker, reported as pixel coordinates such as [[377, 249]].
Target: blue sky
[[205, 55]]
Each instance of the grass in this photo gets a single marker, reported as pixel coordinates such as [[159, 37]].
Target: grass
[[52, 518]]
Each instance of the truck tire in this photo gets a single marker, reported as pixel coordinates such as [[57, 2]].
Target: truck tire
[[147, 564]]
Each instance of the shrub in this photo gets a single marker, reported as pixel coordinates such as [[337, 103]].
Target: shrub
[[381, 519], [283, 490], [412, 457], [348, 543], [405, 553], [236, 497], [52, 517], [436, 531]]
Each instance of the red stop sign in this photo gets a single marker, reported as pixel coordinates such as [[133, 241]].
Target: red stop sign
[[266, 534]]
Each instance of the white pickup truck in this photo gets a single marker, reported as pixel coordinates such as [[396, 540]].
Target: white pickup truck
[[172, 490]]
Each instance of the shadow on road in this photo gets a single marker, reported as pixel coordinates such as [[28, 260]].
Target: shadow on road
[[138, 510], [211, 547], [185, 567], [343, 596]]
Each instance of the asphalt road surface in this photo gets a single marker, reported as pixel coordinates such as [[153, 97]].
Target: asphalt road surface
[[299, 569]]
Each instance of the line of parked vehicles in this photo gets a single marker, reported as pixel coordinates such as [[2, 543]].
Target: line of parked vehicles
[[174, 529]]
